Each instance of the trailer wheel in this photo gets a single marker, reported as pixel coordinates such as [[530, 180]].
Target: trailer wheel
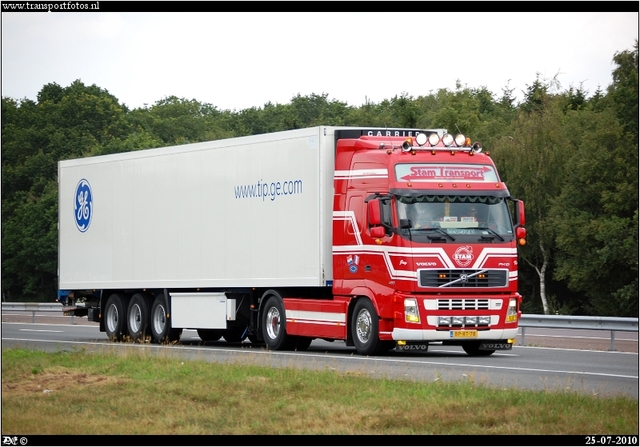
[[209, 334], [273, 326], [115, 317], [473, 349], [364, 329], [138, 316], [161, 329]]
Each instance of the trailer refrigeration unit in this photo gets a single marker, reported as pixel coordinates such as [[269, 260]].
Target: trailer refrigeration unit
[[382, 238]]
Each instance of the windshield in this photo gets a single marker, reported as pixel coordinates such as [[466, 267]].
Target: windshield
[[456, 216]]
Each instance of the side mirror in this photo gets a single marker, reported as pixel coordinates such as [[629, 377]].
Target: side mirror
[[373, 211], [378, 231], [521, 231], [520, 213]]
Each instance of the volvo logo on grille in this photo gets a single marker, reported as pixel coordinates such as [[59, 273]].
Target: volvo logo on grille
[[464, 278]]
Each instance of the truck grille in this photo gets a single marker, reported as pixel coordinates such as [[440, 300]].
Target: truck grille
[[463, 304], [462, 278]]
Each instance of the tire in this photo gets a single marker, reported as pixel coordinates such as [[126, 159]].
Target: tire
[[274, 326], [209, 334], [364, 330], [473, 349], [138, 317], [115, 317], [235, 335], [161, 329]]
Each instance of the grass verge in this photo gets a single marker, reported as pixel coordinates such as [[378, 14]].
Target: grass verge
[[83, 393]]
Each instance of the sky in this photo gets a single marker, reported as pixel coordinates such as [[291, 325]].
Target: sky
[[240, 60]]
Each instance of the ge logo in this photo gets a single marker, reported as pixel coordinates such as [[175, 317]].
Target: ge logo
[[83, 205]]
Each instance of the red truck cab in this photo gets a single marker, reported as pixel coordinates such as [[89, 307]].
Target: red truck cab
[[425, 228]]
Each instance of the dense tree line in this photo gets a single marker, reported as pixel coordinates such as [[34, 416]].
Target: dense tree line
[[570, 155]]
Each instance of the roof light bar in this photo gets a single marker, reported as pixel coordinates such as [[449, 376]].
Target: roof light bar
[[448, 140]]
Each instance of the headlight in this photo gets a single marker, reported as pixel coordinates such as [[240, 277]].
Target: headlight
[[470, 321], [447, 139], [512, 312], [444, 321], [434, 139], [411, 314]]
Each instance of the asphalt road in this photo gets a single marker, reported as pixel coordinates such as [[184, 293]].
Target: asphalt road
[[580, 365], [534, 337]]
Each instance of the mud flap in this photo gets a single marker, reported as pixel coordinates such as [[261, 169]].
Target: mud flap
[[492, 346], [415, 347]]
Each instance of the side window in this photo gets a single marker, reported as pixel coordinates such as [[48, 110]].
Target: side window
[[386, 214]]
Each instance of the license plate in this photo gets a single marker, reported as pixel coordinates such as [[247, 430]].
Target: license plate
[[463, 334]]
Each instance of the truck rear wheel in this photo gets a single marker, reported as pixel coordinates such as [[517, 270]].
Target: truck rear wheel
[[274, 326], [161, 329], [138, 316], [115, 317], [364, 329]]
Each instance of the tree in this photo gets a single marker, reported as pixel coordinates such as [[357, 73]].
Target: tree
[[66, 122], [596, 214], [530, 161], [624, 90], [174, 120]]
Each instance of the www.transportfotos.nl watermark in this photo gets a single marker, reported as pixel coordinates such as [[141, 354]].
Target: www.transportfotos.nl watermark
[[50, 6]]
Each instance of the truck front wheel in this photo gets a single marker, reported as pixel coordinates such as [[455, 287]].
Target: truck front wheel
[[364, 329], [161, 329], [273, 326], [115, 317]]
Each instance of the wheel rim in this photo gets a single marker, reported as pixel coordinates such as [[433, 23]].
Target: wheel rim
[[273, 323], [159, 320], [112, 318], [363, 326], [135, 318]]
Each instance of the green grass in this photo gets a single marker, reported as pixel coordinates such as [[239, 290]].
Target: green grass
[[83, 393]]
